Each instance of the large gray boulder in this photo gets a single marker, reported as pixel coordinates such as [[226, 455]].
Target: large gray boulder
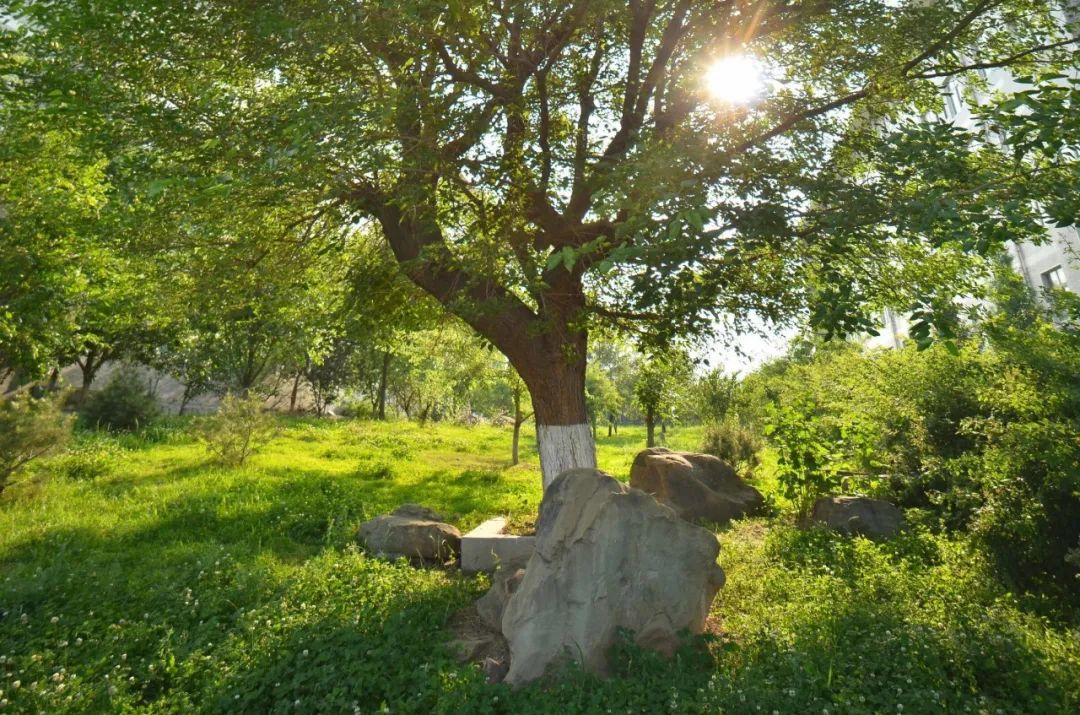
[[696, 486], [607, 557], [391, 535], [858, 515]]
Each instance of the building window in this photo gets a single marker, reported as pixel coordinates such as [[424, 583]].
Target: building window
[[1053, 278], [952, 106]]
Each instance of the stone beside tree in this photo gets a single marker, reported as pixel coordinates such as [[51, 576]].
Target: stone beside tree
[[607, 558], [696, 486], [861, 516], [413, 532]]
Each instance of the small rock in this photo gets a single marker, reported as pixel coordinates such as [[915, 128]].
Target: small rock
[[696, 486], [858, 515], [425, 540], [503, 585]]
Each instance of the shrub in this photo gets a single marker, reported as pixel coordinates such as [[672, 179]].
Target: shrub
[[125, 403], [735, 444], [979, 436], [29, 428], [86, 461], [238, 429]]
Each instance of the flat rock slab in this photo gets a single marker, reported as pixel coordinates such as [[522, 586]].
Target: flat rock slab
[[858, 515], [696, 486], [607, 557], [486, 548]]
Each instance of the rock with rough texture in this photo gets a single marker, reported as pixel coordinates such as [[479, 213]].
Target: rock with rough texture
[[607, 557], [491, 605], [696, 486], [858, 515], [421, 539]]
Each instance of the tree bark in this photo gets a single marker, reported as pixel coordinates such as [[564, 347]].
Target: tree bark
[[89, 368], [546, 347], [564, 436], [650, 429], [514, 445], [382, 385], [295, 390]]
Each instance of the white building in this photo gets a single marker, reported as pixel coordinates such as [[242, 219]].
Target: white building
[[1052, 264]]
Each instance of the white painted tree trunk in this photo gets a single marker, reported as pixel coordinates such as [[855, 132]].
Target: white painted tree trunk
[[564, 447]]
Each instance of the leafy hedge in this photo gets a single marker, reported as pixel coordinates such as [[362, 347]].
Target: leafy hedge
[[982, 435]]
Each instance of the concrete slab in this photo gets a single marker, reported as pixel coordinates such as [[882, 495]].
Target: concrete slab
[[486, 546]]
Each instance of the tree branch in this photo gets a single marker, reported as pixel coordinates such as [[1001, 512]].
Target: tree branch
[[1002, 62]]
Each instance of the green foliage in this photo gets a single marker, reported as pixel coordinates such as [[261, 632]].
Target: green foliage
[[980, 436], [237, 430], [735, 444], [714, 395], [662, 382], [127, 402], [30, 428], [198, 588], [87, 459]]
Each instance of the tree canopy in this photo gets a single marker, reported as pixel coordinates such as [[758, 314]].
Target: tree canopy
[[541, 168]]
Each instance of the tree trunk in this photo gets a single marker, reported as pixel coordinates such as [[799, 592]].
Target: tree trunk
[[295, 390], [185, 398], [564, 436], [609, 429], [89, 368], [547, 347], [663, 429], [514, 446], [650, 429], [382, 385]]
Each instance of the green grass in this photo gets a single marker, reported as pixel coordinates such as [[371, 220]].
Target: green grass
[[143, 578]]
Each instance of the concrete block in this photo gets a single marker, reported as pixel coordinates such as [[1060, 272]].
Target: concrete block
[[486, 546]]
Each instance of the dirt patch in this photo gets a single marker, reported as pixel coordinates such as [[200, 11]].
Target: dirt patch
[[474, 642]]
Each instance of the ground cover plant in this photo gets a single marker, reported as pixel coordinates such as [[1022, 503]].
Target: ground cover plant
[[162, 581]]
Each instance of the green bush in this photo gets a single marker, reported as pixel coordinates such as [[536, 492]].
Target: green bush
[[737, 445], [86, 461], [980, 436], [30, 428], [125, 403], [237, 429]]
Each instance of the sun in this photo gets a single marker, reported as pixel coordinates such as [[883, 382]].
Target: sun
[[735, 79]]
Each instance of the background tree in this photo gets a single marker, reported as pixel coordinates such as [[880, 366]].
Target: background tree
[[602, 399], [661, 383], [713, 395]]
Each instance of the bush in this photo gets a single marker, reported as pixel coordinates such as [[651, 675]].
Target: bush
[[737, 445], [86, 461], [979, 436], [239, 428], [126, 403], [29, 428]]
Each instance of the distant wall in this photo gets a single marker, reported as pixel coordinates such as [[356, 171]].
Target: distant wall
[[170, 391]]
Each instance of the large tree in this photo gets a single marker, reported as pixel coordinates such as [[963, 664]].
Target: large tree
[[541, 167]]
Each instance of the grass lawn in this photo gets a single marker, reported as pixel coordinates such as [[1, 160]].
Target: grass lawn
[[140, 577]]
